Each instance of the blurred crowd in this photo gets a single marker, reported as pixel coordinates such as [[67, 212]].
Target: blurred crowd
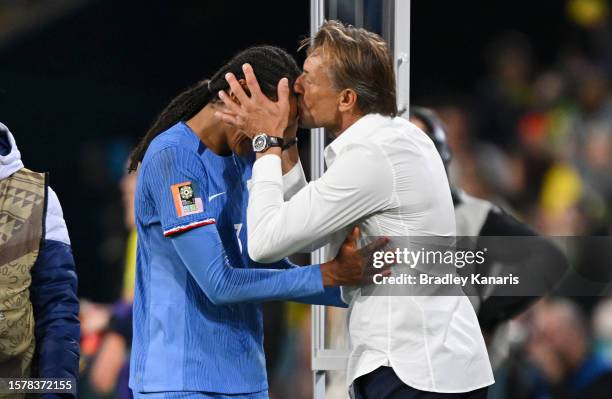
[[536, 140]]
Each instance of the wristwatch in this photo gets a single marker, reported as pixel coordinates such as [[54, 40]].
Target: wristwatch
[[262, 142]]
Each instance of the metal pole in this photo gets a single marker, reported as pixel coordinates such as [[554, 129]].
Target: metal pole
[[317, 144], [396, 30], [359, 17], [401, 52]]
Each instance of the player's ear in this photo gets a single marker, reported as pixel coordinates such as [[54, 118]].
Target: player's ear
[[244, 86]]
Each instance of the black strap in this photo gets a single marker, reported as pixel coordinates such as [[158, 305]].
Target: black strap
[[289, 143], [275, 141]]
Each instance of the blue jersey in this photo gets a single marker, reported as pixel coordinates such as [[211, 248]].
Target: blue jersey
[[182, 341]]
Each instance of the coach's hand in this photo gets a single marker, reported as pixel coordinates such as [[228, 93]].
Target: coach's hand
[[257, 113], [352, 265]]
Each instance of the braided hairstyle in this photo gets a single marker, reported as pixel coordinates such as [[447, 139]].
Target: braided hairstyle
[[270, 64]]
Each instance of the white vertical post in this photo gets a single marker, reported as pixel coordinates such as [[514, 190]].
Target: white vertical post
[[400, 43], [317, 144], [359, 14], [396, 30]]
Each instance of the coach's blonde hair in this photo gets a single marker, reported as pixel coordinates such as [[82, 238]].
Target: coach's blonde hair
[[360, 60]]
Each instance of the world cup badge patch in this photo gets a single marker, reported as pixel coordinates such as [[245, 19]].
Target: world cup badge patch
[[186, 200]]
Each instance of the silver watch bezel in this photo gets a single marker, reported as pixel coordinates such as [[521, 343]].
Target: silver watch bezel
[[264, 146], [268, 141]]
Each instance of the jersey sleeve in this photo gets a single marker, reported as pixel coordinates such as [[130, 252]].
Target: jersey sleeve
[[203, 254], [176, 181]]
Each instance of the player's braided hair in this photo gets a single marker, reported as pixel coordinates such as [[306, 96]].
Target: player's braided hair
[[270, 65]]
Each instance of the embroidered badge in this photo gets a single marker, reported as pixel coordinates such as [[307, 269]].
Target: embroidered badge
[[185, 200]]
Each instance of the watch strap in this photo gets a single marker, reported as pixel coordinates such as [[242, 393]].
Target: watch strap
[[274, 141], [290, 143]]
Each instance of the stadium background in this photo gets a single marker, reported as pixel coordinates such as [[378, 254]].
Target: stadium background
[[523, 86]]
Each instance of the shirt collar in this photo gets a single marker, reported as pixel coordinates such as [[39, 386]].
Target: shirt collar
[[364, 125]]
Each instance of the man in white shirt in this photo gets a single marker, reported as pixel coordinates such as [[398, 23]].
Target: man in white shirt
[[383, 174]]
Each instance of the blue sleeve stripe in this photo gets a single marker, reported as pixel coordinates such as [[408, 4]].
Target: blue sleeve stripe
[[189, 226]]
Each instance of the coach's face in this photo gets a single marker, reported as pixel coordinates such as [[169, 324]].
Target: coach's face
[[317, 98]]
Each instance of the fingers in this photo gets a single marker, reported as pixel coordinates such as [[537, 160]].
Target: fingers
[[229, 103], [251, 80], [375, 245], [351, 237], [236, 88], [282, 92]]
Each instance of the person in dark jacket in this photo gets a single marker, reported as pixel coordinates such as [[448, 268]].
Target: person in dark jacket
[[39, 325], [522, 250]]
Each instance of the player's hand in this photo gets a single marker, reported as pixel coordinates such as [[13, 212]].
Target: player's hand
[[257, 113], [353, 265]]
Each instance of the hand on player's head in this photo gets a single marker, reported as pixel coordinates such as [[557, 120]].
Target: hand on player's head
[[256, 113]]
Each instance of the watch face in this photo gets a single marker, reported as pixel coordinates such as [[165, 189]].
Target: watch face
[[259, 143]]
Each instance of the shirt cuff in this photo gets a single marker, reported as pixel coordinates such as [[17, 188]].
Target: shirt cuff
[[267, 168]]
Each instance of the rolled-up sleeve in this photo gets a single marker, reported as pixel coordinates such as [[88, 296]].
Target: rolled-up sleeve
[[358, 183]]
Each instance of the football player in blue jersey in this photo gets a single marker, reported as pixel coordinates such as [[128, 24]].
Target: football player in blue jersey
[[197, 319]]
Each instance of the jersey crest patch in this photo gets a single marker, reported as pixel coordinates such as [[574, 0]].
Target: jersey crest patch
[[186, 200]]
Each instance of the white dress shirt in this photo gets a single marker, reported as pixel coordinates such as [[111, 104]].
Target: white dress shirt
[[385, 175]]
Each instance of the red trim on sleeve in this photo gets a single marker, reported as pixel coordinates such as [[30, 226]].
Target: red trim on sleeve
[[180, 229]]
